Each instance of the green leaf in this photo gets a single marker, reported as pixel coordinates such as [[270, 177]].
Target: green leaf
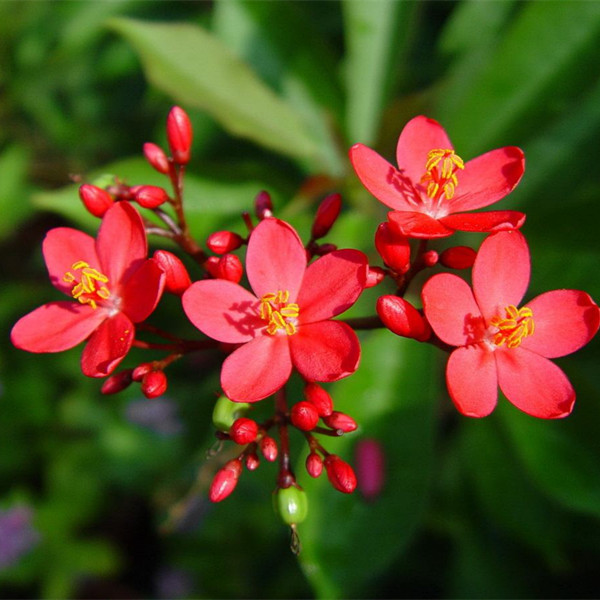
[[392, 398], [196, 69]]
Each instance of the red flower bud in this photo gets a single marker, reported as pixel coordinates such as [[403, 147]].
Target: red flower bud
[[154, 384], [326, 216], [230, 268], [221, 242], [304, 416], [319, 397], [393, 248], [314, 464], [150, 196], [375, 275], [430, 258], [211, 264], [156, 157], [177, 279], [141, 371], [370, 468], [95, 199], [340, 474], [341, 421], [458, 257], [243, 431], [263, 205], [252, 462], [116, 382], [268, 447], [225, 480], [179, 135], [402, 318]]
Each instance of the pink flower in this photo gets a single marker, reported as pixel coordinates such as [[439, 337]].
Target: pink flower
[[286, 322], [499, 344], [433, 183], [114, 286]]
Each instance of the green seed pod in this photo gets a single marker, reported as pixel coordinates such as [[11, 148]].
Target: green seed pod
[[292, 505], [226, 412]]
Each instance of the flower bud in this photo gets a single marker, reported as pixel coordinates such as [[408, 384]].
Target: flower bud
[[458, 257], [340, 421], [375, 275], [370, 467], [230, 268], [263, 205], [221, 242], [340, 474], [292, 504], [116, 382], [402, 318], [95, 199], [150, 196], [226, 412], [141, 371], [154, 384], [314, 464], [225, 480], [177, 279], [179, 135], [268, 447], [243, 431], [252, 462], [319, 397], [304, 416], [430, 258], [326, 216], [393, 248], [156, 157], [211, 264]]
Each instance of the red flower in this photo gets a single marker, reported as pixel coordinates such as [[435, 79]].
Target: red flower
[[113, 283], [286, 322], [433, 183], [502, 345]]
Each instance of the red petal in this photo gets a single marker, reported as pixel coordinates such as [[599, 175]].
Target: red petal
[[534, 384], [325, 351], [331, 285], [62, 248], [108, 346], [257, 369], [56, 326], [418, 225], [382, 179], [491, 221], [223, 310], [121, 243], [418, 138], [564, 320], [487, 179], [141, 292], [501, 272], [451, 310], [276, 259], [472, 380]]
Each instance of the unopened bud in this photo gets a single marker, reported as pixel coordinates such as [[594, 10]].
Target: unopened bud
[[340, 474], [375, 275], [179, 135], [150, 196], [243, 431], [225, 480], [370, 468], [95, 199], [252, 462], [230, 268], [292, 504], [393, 248], [221, 242], [116, 382], [430, 258], [156, 157], [154, 384], [226, 412], [268, 447], [314, 464], [211, 264], [141, 371], [326, 216], [458, 257], [341, 421], [319, 397], [263, 205], [402, 318], [177, 279], [304, 416]]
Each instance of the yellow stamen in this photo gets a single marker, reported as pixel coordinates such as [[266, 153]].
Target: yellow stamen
[[440, 172], [516, 325], [88, 289], [279, 314]]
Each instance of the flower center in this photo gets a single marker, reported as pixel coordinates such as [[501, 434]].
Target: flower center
[[87, 284], [279, 313], [440, 173], [516, 325]]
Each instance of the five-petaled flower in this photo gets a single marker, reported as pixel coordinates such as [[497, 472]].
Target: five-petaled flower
[[112, 282], [499, 344], [433, 187], [286, 322]]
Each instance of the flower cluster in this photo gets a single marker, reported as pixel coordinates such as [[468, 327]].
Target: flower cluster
[[272, 304]]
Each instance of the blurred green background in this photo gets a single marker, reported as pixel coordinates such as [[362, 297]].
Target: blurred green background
[[105, 496]]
